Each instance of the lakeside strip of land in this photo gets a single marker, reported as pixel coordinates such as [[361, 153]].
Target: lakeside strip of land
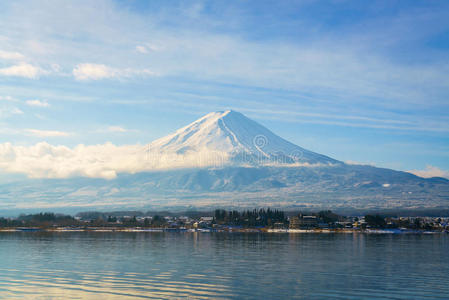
[[226, 230], [220, 220]]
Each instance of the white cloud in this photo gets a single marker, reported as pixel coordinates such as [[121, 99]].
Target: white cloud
[[105, 161], [23, 70], [8, 98], [37, 103], [430, 171], [16, 111], [39, 116], [7, 111], [89, 71], [46, 133], [84, 192], [6, 55], [56, 68], [114, 129], [142, 49], [93, 72], [117, 129], [47, 161], [147, 48], [351, 162], [352, 64], [330, 65], [98, 161]]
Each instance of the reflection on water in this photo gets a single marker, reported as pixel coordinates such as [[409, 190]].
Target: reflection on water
[[188, 265], [62, 284]]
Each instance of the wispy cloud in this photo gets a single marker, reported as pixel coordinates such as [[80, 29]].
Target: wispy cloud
[[430, 171], [351, 162], [117, 129], [7, 111], [8, 98], [385, 70], [16, 111], [147, 48], [90, 71], [7, 55], [142, 49], [348, 64], [37, 103], [46, 133]]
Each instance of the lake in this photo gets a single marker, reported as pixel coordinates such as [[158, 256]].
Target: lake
[[130, 265]]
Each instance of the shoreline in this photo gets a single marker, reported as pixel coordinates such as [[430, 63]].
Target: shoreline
[[227, 230]]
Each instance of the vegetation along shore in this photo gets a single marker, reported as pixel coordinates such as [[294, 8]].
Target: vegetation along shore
[[220, 220]]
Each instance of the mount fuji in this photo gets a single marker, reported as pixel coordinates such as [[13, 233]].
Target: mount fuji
[[230, 138], [224, 159]]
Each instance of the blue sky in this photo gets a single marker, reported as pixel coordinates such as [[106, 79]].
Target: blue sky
[[363, 81]]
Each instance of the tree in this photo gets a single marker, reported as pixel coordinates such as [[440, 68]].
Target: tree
[[328, 216], [158, 221], [417, 223], [375, 221]]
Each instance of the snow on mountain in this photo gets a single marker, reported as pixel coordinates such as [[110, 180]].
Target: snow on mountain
[[229, 138]]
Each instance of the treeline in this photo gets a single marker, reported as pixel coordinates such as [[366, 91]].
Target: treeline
[[48, 220], [95, 215], [250, 218], [378, 221], [39, 220], [271, 218], [155, 221], [329, 219]]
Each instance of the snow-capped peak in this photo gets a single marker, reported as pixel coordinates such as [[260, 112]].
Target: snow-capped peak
[[231, 137]]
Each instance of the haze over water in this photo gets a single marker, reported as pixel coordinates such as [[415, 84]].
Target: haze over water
[[97, 265]]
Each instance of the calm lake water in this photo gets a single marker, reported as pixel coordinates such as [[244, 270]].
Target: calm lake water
[[95, 265]]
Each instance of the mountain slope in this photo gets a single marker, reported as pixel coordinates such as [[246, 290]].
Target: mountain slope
[[322, 187], [230, 138]]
